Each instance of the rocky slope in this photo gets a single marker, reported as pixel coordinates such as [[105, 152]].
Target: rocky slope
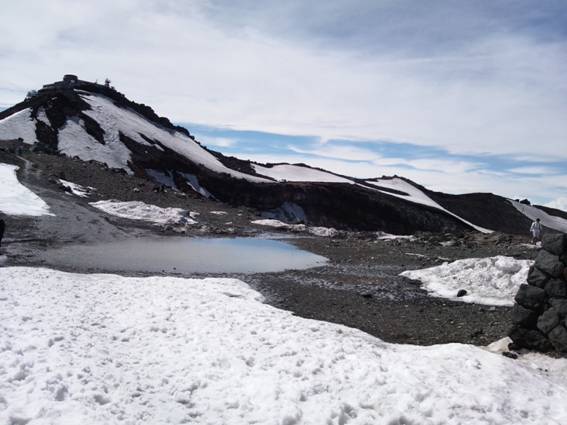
[[95, 122]]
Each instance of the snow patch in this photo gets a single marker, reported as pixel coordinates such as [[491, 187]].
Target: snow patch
[[15, 198], [137, 210], [21, 124], [297, 173], [383, 236], [77, 189], [490, 281], [416, 196], [75, 141], [314, 230], [548, 220], [162, 177], [106, 349]]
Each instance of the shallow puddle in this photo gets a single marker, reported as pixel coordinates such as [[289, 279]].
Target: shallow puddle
[[187, 255]]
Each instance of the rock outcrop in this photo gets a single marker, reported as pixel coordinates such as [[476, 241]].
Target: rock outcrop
[[540, 312]]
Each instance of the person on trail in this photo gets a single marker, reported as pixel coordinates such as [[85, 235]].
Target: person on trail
[[2, 227], [536, 231]]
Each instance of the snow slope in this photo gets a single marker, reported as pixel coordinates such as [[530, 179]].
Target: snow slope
[[15, 198], [20, 124], [114, 120], [297, 173], [548, 220], [491, 281], [106, 349], [137, 210], [417, 196]]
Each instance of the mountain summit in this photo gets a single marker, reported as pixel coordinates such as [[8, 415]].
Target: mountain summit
[[95, 122]]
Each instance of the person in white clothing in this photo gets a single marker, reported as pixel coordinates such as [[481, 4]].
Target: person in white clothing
[[536, 231]]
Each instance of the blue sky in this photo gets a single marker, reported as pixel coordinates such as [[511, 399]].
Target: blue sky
[[460, 96]]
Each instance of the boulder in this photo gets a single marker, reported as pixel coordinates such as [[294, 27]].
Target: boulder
[[549, 263], [530, 297], [548, 320], [537, 278], [555, 244], [560, 305], [558, 337], [523, 316], [529, 338], [461, 293], [556, 288]]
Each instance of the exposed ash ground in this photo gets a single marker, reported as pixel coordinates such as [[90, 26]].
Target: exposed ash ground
[[359, 287]]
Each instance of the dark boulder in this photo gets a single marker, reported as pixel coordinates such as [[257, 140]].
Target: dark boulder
[[556, 288], [461, 293], [523, 316], [549, 263], [548, 320], [560, 305], [537, 278], [530, 297], [558, 337], [555, 244], [529, 338]]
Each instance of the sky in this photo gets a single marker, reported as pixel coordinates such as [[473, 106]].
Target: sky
[[459, 96]]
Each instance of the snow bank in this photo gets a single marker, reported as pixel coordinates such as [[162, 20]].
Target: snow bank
[[20, 124], [115, 120], [137, 210], [415, 195], [298, 173], [548, 220], [77, 189], [15, 198], [314, 230], [105, 349], [491, 281], [383, 236]]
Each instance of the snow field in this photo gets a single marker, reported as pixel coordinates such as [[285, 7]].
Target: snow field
[[106, 349], [297, 173], [15, 198], [137, 210], [548, 220], [20, 124], [491, 281]]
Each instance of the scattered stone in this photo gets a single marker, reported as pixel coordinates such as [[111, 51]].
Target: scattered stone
[[510, 355]]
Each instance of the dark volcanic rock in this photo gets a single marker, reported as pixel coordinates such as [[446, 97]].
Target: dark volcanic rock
[[558, 337], [548, 320], [461, 293], [530, 338], [555, 244], [537, 278], [549, 263], [530, 297], [524, 316], [556, 288], [560, 305]]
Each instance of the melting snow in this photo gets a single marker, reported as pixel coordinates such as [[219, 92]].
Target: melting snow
[[77, 189], [137, 210], [417, 196], [15, 198], [297, 173], [548, 220], [18, 125], [314, 230], [106, 349], [491, 281]]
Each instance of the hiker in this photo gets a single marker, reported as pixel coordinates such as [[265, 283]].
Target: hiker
[[2, 227], [536, 231]]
